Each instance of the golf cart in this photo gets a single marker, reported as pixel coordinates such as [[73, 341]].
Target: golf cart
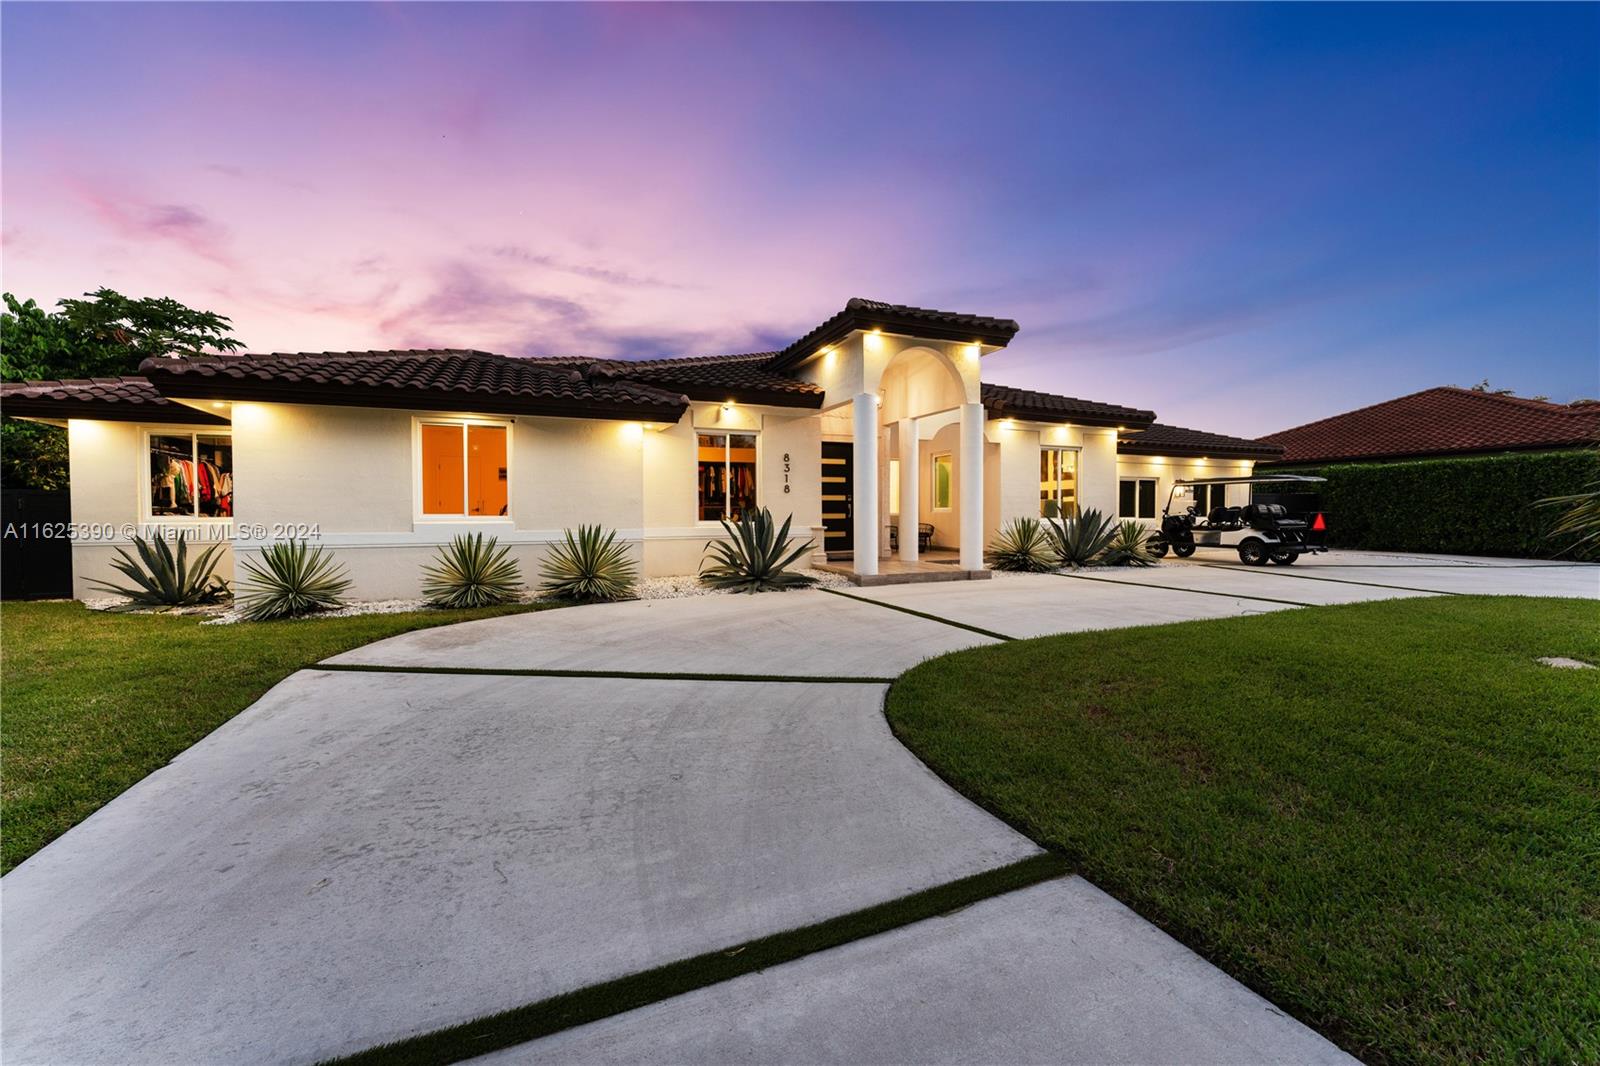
[[1259, 532]]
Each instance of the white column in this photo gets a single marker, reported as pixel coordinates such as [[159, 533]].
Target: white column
[[864, 494], [910, 483], [972, 486]]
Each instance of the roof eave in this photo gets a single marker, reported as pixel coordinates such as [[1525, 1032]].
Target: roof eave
[[1184, 451], [43, 408], [852, 319], [211, 388]]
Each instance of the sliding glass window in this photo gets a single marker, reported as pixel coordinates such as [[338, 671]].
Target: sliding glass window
[[464, 470], [191, 475], [727, 475]]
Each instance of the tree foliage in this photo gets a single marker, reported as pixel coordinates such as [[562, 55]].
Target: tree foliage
[[105, 334]]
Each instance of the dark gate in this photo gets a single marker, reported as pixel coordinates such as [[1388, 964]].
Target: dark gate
[[838, 493], [36, 552]]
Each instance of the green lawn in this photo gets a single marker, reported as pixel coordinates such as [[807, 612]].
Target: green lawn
[[91, 702], [1385, 817]]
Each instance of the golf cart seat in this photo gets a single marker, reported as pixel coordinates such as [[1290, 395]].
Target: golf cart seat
[[1225, 518], [1271, 516]]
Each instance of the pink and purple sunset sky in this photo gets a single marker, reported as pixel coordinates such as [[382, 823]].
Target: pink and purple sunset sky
[[1244, 217]]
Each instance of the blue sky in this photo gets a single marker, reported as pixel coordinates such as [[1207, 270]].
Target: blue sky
[[1242, 216]]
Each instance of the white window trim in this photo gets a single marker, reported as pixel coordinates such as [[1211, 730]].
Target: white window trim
[[463, 519], [1155, 498], [147, 515], [1077, 454], [933, 482], [724, 431]]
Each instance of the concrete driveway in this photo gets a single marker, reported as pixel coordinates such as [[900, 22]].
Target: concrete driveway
[[365, 855]]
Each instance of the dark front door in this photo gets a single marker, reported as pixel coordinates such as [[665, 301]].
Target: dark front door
[[838, 490]]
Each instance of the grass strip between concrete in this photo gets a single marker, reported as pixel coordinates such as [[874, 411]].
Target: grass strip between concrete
[[1284, 572], [1179, 588], [625, 675], [920, 614], [518, 1025]]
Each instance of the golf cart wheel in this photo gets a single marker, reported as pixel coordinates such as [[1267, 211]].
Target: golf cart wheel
[[1183, 551], [1285, 558], [1156, 548], [1253, 551]]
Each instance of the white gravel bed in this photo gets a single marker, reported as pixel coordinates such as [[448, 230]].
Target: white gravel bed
[[650, 588]]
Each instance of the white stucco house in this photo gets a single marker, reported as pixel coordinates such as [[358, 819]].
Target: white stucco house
[[872, 426]]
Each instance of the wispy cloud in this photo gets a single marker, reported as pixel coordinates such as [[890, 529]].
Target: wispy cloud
[[593, 272]]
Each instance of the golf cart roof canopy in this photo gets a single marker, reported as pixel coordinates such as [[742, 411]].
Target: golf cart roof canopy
[[1264, 479]]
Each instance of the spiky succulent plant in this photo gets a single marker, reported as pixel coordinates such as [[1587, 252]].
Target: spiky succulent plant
[[755, 557], [472, 571], [1022, 545], [163, 578], [291, 579], [1081, 540], [1129, 546], [588, 566]]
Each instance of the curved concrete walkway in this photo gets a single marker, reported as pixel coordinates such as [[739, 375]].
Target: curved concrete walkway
[[363, 856]]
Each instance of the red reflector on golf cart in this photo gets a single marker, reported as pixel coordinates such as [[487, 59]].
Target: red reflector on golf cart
[[1319, 524]]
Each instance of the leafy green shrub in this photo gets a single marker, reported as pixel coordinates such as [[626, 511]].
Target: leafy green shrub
[[165, 579], [472, 572], [293, 579], [1128, 547], [1476, 505], [588, 566], [1021, 545], [1082, 539], [754, 558]]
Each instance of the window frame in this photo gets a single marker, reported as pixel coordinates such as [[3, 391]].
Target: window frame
[[1076, 451], [1155, 491], [727, 461], [147, 515], [933, 482], [417, 515]]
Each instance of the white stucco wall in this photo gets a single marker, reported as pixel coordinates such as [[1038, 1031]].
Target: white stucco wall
[[1164, 469], [109, 470]]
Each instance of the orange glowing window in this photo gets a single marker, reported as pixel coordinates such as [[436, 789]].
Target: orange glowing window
[[463, 469]]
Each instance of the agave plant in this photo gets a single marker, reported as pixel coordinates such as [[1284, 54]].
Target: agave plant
[[1128, 546], [1022, 545], [167, 579], [472, 571], [754, 558], [1082, 539], [588, 566], [292, 579], [1579, 520]]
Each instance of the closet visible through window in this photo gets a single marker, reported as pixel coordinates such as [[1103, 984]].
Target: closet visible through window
[[191, 475], [727, 487]]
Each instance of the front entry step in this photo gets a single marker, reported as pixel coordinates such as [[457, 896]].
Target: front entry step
[[898, 573]]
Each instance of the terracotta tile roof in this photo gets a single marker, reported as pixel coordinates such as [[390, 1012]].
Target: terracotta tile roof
[[1002, 401], [429, 379], [896, 318], [1441, 421], [743, 378], [1158, 439], [119, 399]]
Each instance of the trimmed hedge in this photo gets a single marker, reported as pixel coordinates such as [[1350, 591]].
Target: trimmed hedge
[[1479, 505]]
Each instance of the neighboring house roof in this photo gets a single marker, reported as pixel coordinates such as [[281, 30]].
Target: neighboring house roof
[[1440, 421], [1157, 439], [119, 399], [429, 379], [1002, 401], [896, 318]]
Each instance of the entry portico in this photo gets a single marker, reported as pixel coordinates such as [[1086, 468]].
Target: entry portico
[[897, 377]]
